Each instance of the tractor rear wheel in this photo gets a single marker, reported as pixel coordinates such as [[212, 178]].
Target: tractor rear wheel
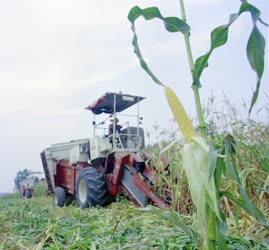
[[91, 189], [59, 196]]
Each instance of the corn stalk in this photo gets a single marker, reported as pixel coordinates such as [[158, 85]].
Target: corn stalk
[[211, 220], [195, 87]]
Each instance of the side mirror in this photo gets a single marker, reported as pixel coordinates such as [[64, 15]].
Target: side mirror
[[93, 123], [141, 118]]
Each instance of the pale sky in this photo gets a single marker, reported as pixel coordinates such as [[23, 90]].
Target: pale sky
[[58, 56]]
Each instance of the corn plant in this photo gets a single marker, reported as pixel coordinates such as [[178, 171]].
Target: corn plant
[[204, 165]]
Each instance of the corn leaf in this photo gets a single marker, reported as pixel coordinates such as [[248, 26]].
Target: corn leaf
[[213, 162], [245, 201], [263, 189], [172, 24], [219, 37], [265, 165], [172, 216], [255, 53], [255, 47], [219, 171], [255, 212], [221, 230]]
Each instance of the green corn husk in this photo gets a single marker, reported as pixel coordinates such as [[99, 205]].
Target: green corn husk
[[196, 161]]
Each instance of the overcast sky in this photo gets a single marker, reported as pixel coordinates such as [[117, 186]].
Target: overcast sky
[[58, 56]]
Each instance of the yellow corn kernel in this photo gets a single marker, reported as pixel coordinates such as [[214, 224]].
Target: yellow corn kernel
[[180, 114]]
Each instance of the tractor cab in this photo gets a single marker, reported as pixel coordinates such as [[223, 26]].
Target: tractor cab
[[115, 130]]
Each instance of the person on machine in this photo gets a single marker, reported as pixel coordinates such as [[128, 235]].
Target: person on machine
[[117, 126]]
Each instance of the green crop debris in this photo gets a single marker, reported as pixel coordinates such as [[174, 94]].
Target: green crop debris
[[37, 224]]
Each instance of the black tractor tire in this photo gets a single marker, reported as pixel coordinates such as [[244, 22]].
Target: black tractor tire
[[59, 196], [91, 188], [28, 194]]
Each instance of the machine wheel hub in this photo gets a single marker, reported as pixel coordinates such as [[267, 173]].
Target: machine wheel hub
[[82, 191]]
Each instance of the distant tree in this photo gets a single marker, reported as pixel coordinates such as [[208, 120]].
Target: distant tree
[[20, 176]]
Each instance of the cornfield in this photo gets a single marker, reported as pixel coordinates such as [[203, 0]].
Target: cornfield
[[37, 224]]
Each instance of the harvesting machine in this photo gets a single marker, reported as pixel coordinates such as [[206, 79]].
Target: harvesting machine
[[27, 185], [95, 170]]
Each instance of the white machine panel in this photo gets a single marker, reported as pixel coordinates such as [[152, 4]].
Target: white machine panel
[[99, 147], [78, 154]]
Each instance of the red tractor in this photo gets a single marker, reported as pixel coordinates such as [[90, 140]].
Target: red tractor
[[95, 170]]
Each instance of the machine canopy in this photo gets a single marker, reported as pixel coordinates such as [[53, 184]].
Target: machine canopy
[[105, 104]]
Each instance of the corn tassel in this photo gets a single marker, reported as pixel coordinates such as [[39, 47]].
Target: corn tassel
[[180, 114]]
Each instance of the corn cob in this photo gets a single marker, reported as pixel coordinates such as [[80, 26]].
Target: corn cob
[[180, 114]]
